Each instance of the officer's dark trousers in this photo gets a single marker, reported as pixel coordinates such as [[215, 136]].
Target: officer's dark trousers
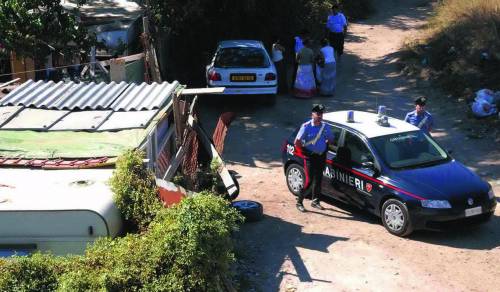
[[337, 42], [316, 166]]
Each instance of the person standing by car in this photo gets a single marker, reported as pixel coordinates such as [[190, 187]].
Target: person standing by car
[[420, 117], [298, 45], [305, 83], [328, 70], [313, 138], [336, 25], [279, 63]]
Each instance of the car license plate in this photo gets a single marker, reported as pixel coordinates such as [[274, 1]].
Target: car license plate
[[473, 211], [243, 78]]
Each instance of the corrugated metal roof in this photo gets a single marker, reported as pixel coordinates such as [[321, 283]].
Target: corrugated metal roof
[[144, 96], [45, 105], [61, 95], [90, 96], [127, 120], [81, 121], [34, 119], [8, 112]]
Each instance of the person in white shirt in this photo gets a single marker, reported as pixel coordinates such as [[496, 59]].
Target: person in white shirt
[[328, 70], [279, 63], [337, 28]]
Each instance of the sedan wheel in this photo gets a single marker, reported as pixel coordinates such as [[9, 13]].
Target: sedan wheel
[[396, 218], [295, 179]]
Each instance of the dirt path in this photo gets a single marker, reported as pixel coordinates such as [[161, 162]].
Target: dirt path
[[343, 249]]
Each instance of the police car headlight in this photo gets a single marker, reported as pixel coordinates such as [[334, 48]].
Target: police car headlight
[[436, 204], [491, 194]]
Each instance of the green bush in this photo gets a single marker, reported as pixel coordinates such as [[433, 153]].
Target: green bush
[[197, 243], [186, 248], [135, 191], [36, 273]]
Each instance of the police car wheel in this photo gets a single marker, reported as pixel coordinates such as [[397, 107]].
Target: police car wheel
[[295, 180], [395, 217], [251, 210]]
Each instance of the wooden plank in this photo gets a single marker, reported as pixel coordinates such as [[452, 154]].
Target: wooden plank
[[177, 120], [198, 91], [174, 165], [169, 135], [124, 59], [226, 177], [9, 82]]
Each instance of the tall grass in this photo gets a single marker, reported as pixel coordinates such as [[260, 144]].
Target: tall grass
[[468, 14], [462, 45]]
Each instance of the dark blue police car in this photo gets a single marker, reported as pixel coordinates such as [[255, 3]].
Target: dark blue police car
[[394, 170]]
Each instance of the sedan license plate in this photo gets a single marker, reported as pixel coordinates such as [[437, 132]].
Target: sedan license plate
[[243, 78], [473, 211]]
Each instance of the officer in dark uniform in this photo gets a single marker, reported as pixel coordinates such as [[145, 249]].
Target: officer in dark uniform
[[313, 138], [420, 117]]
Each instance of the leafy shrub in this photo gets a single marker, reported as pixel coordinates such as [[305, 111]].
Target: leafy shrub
[[186, 248], [197, 243], [135, 191], [36, 273]]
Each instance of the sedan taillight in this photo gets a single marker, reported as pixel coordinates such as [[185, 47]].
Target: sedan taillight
[[270, 77], [214, 76]]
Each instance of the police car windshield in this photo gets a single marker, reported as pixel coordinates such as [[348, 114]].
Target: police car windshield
[[410, 149]]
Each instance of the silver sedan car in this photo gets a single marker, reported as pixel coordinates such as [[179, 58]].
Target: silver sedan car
[[243, 67]]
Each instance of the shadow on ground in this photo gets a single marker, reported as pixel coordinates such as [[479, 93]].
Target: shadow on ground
[[269, 260], [465, 236]]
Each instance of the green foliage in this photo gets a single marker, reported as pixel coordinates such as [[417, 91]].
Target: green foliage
[[36, 273], [135, 191], [186, 248], [197, 243], [29, 27]]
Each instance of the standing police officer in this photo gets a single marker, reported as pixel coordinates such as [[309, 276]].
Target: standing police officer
[[313, 138], [336, 25], [420, 117]]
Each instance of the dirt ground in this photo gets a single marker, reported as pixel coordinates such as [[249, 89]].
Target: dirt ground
[[341, 248]]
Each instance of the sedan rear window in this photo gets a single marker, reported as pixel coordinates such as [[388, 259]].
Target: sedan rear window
[[240, 57]]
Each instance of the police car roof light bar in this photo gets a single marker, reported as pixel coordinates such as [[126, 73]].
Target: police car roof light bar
[[350, 117], [381, 110], [383, 121]]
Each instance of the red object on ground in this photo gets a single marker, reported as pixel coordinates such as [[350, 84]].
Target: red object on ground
[[170, 194]]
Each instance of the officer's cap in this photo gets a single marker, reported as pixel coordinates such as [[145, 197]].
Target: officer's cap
[[420, 101], [318, 108]]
